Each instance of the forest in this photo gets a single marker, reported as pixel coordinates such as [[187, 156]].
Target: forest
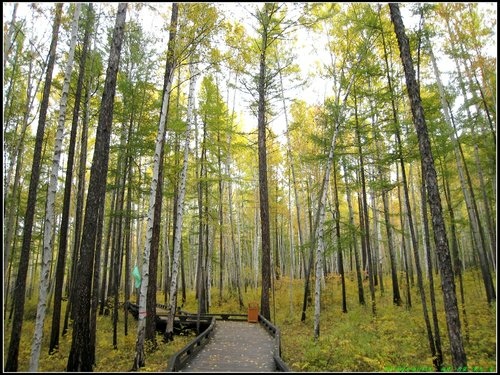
[[333, 162]]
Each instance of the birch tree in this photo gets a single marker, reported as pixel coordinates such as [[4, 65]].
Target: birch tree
[[63, 234], [49, 213], [168, 336], [139, 360], [20, 288], [318, 236], [317, 240]]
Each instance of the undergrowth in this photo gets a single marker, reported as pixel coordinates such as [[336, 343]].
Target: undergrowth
[[393, 340]]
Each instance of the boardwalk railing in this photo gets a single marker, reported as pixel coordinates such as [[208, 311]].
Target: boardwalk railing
[[181, 357], [179, 360], [275, 332], [218, 316]]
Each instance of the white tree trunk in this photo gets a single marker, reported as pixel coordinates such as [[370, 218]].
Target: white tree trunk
[[180, 204], [209, 267], [319, 236], [234, 246], [49, 213], [160, 137]]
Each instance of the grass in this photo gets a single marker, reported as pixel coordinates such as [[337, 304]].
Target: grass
[[394, 340]]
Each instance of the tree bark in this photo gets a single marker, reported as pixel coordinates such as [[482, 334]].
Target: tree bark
[[365, 223], [361, 293], [263, 189], [139, 360], [13, 200], [79, 202], [20, 288], [459, 359], [318, 237], [81, 353], [49, 223], [438, 357], [63, 234], [396, 297], [339, 242], [168, 335]]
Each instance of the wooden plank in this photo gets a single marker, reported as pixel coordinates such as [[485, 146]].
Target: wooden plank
[[235, 346]]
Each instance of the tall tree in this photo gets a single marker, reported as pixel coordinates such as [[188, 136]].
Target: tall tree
[[81, 353], [63, 234], [359, 277], [339, 239], [49, 222], [459, 358], [168, 335], [139, 360], [264, 17], [396, 297], [365, 223], [273, 25], [17, 160], [20, 288]]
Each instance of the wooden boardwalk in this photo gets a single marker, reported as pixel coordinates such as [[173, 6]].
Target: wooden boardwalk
[[235, 347]]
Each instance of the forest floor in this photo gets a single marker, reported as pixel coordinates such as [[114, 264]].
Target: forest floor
[[394, 340], [108, 359]]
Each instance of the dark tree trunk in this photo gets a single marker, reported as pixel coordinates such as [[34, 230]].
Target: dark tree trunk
[[106, 283], [438, 356], [128, 239], [407, 263], [221, 220], [202, 183], [20, 288], [63, 234], [339, 242], [118, 239], [183, 276], [263, 190], [396, 297], [95, 291], [359, 277], [150, 329], [308, 267], [80, 356], [459, 359], [430, 335], [394, 275], [79, 205], [365, 223], [457, 263], [277, 267]]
